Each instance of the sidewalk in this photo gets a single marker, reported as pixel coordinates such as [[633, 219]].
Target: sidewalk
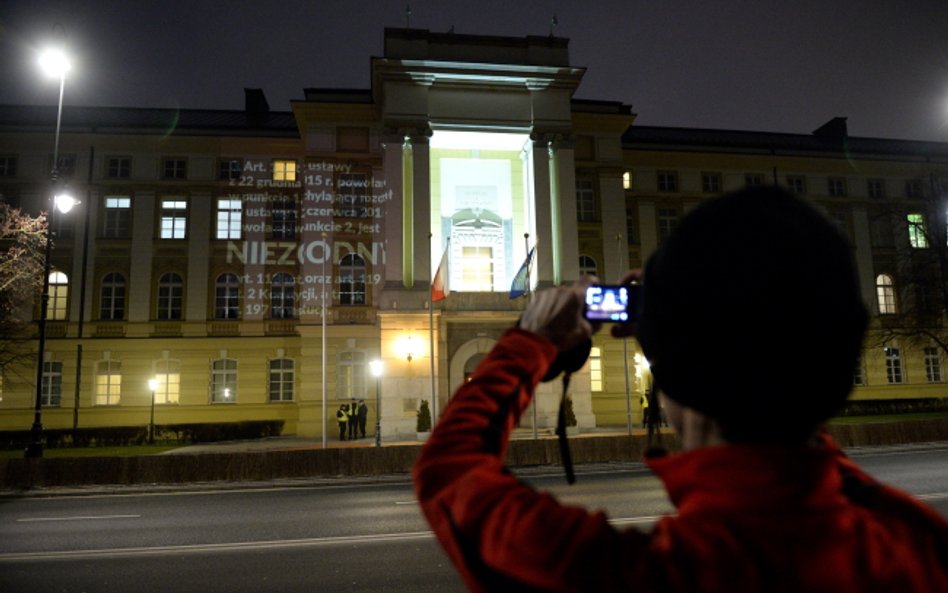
[[293, 443]]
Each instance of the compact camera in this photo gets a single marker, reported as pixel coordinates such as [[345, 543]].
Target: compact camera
[[612, 303]]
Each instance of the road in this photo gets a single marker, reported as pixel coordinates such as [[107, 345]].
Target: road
[[360, 536]]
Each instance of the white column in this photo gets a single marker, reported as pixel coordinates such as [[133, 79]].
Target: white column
[[140, 273]]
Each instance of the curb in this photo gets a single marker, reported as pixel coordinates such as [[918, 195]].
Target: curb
[[270, 465]]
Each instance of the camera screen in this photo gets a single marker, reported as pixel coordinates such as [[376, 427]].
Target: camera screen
[[607, 303]]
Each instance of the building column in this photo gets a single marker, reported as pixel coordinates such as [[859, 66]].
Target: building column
[[563, 173], [199, 240], [648, 228], [420, 214], [542, 223], [393, 170], [612, 211], [863, 256], [143, 237]]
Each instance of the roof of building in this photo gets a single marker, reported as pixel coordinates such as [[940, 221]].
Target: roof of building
[[829, 139], [150, 120]]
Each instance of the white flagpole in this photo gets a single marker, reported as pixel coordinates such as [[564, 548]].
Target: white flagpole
[[526, 248]]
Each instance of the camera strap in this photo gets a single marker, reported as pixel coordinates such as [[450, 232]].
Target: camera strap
[[565, 457]]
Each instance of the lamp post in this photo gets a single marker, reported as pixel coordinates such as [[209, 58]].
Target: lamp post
[[54, 63], [153, 387], [378, 367]]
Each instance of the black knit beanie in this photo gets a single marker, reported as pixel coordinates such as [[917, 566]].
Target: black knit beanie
[[752, 315]]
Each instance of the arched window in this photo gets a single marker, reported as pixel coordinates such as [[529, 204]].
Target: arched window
[[352, 280], [112, 297], [282, 296], [587, 266], [227, 296], [885, 294], [170, 295], [58, 296]]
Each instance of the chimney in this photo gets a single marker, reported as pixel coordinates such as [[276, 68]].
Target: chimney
[[255, 103], [834, 129]]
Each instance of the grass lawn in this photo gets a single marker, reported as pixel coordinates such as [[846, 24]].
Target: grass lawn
[[130, 451]]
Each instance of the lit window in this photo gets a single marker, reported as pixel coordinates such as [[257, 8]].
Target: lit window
[[477, 269], [893, 366], [585, 201], [228, 219], [282, 296], [175, 168], [108, 383], [352, 280], [281, 380], [587, 266], [58, 296], [351, 374], [627, 180], [885, 294], [932, 365], [170, 295], [227, 297], [284, 170], [52, 386], [918, 237], [174, 218], [112, 297], [168, 374], [711, 183], [118, 216], [595, 369], [224, 381], [283, 219]]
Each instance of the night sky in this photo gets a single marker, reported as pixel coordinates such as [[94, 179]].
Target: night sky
[[784, 66]]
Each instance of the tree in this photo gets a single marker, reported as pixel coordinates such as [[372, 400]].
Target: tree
[[919, 267], [22, 243]]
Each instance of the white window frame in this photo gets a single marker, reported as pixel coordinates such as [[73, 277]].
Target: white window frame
[[117, 223], [885, 295], [168, 374], [894, 370], [112, 295], [351, 369], [52, 386], [933, 370], [224, 381], [174, 218], [229, 215], [108, 383], [282, 378]]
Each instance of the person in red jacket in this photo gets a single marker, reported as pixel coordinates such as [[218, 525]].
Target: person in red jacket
[[752, 321]]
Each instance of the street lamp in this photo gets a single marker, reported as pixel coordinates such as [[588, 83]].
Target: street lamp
[[378, 367], [54, 63], [153, 386]]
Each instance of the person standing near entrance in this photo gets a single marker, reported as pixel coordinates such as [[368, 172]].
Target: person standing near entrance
[[362, 414], [342, 417]]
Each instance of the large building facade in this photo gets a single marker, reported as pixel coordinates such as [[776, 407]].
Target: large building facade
[[254, 262]]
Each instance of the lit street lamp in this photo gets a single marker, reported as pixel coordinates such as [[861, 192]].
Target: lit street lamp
[[54, 63], [153, 386], [378, 367]]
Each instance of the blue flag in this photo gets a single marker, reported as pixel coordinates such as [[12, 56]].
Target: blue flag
[[519, 286]]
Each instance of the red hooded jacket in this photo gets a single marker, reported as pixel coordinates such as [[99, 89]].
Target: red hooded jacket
[[750, 518]]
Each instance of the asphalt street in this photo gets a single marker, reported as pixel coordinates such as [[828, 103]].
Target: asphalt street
[[328, 536]]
